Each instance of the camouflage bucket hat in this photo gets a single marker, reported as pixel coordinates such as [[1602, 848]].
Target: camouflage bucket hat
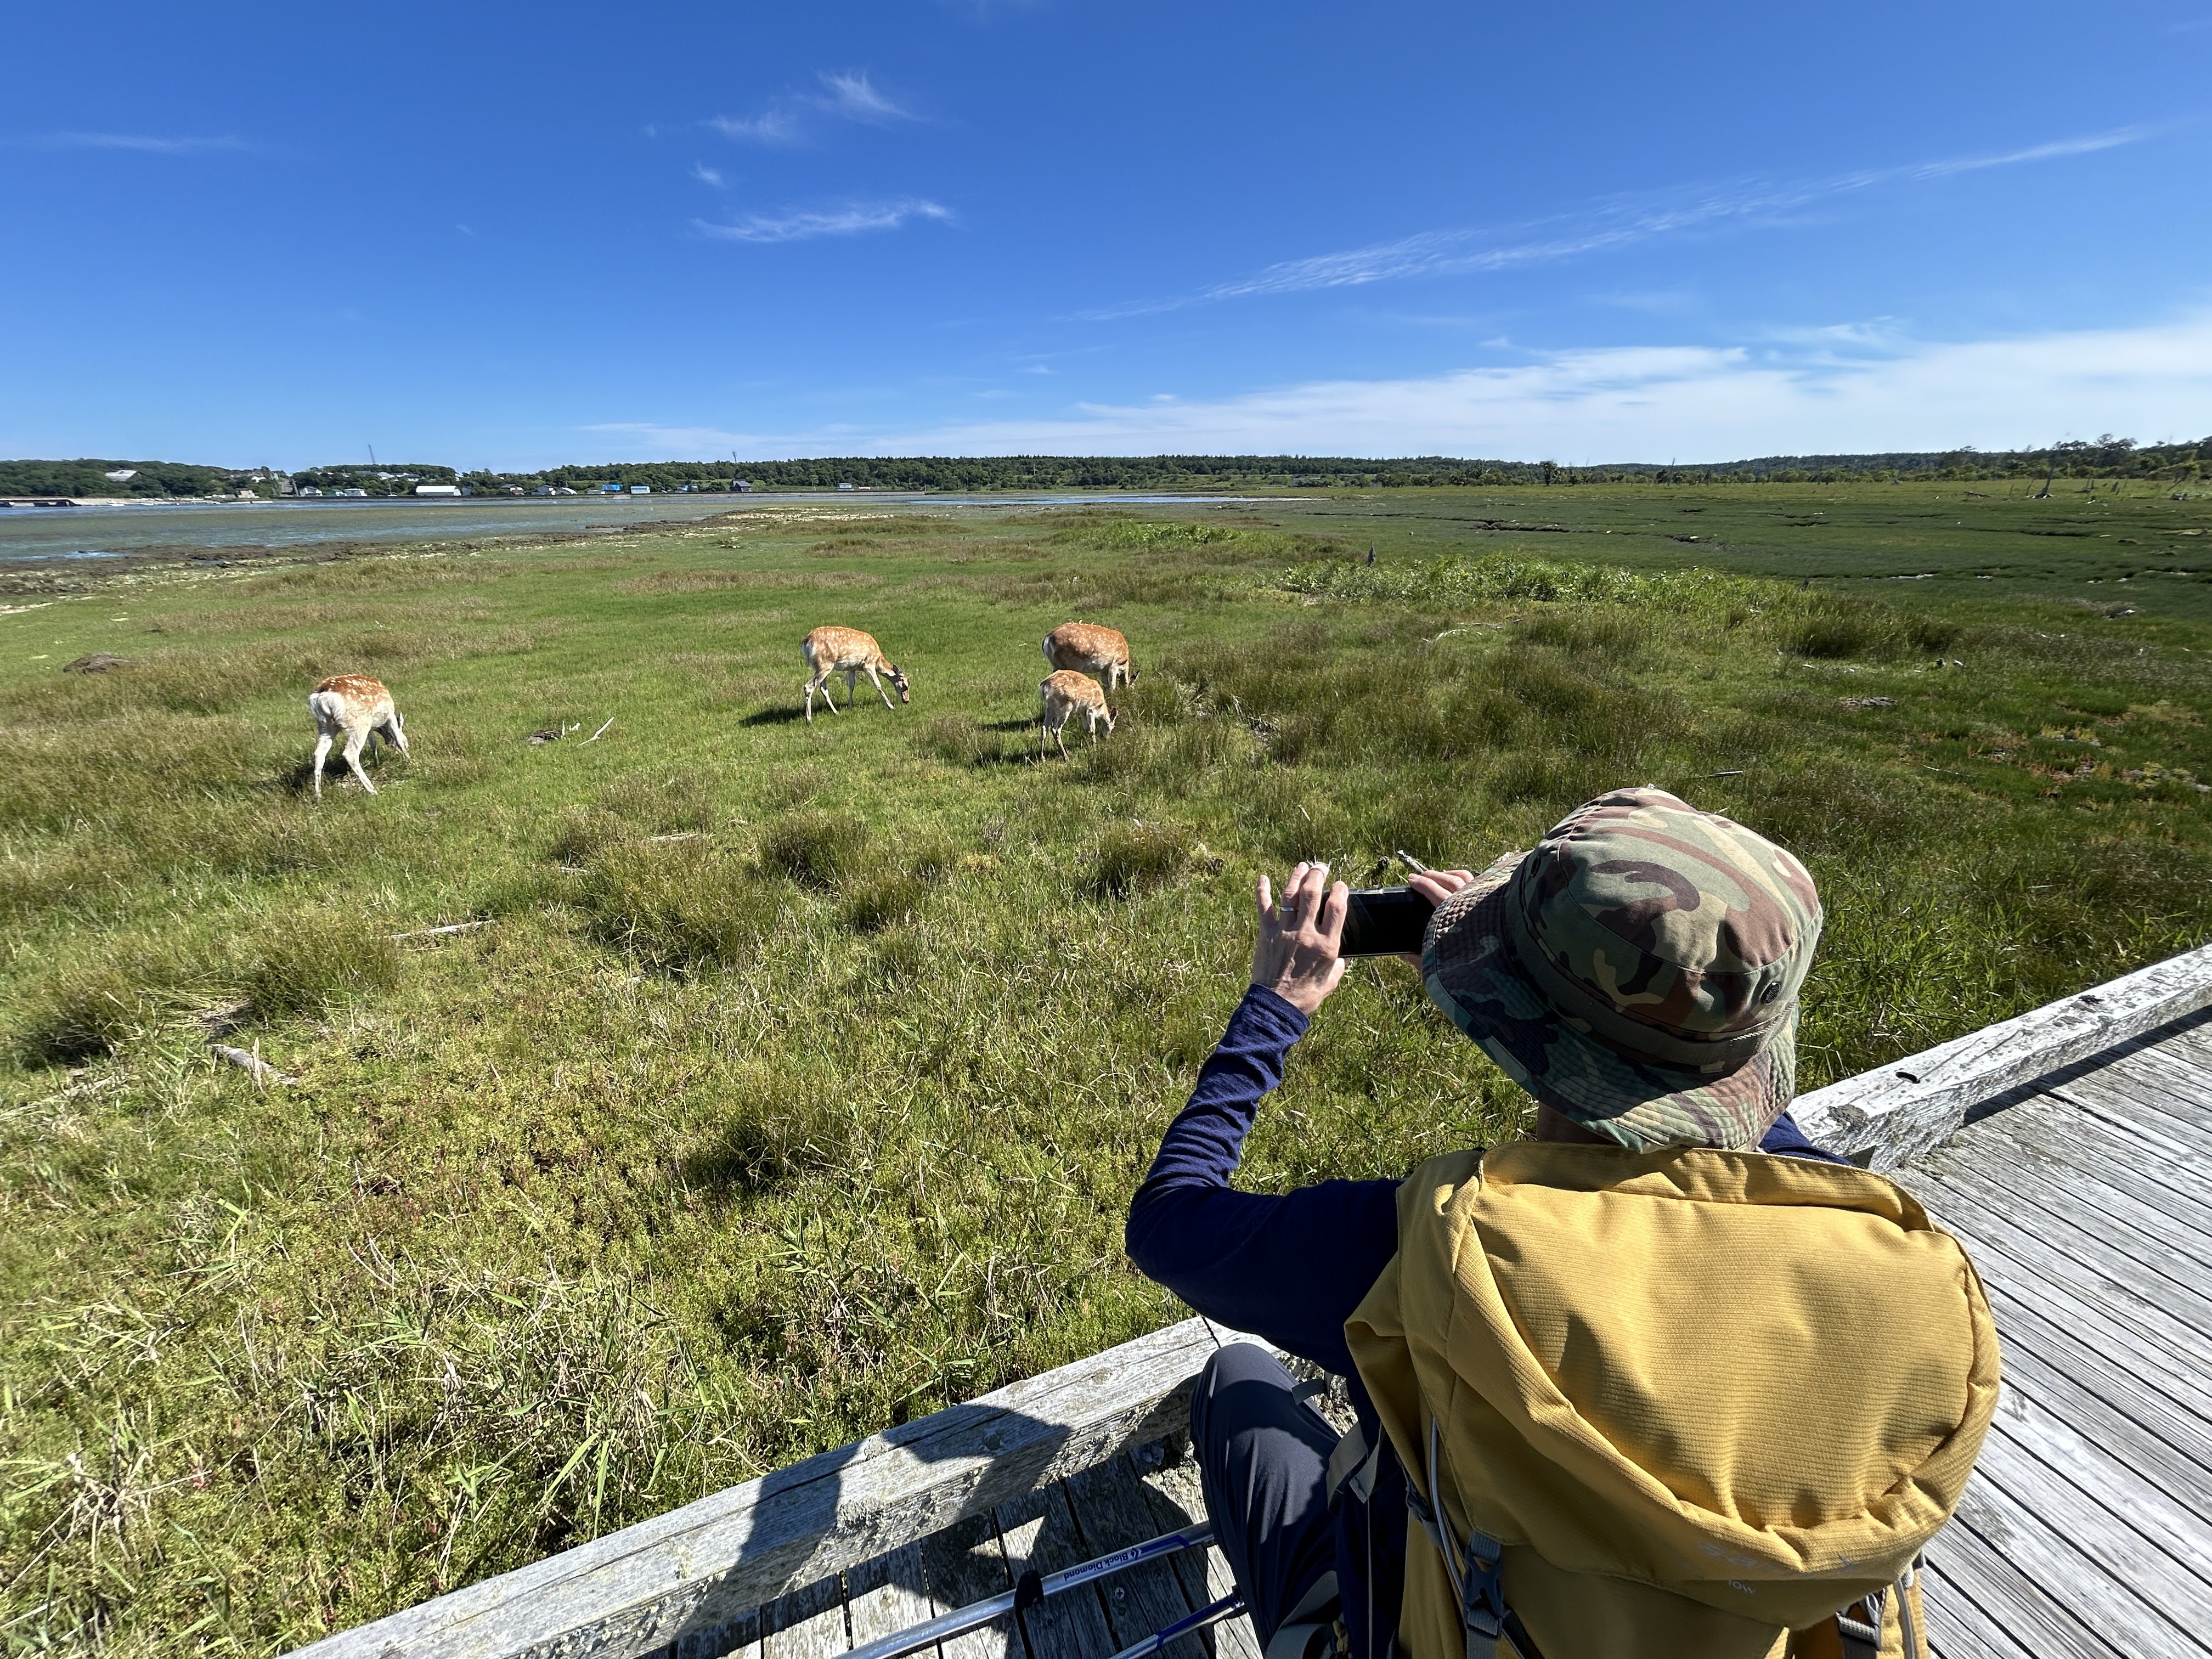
[[1638, 970]]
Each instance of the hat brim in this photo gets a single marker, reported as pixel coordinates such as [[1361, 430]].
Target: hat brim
[[1471, 971]]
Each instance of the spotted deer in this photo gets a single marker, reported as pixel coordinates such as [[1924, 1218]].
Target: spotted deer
[[1089, 649], [360, 707], [1067, 694], [847, 651]]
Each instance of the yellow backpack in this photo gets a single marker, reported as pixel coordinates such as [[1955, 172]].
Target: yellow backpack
[[1683, 1404]]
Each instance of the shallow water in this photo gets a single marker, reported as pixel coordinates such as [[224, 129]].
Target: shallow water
[[40, 535]]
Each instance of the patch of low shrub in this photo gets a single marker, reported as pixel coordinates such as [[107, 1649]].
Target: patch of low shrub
[[880, 902], [303, 966], [816, 848], [92, 1008], [1133, 857], [679, 905]]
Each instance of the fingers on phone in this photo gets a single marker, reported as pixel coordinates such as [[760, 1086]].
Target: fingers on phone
[[1333, 912]]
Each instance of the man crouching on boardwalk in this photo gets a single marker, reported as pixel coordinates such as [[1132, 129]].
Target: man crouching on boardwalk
[[1666, 1380]]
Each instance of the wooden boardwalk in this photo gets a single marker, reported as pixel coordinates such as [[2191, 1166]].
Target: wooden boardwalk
[[2070, 1149], [2087, 1205]]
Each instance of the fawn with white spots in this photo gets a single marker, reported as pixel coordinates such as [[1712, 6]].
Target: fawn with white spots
[[847, 651], [1067, 694], [1087, 649], [361, 708]]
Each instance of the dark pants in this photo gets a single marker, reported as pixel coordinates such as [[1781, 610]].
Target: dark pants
[[1263, 1461]]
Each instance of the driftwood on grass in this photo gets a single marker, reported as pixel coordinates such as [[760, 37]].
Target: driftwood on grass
[[259, 1069], [439, 933], [601, 733]]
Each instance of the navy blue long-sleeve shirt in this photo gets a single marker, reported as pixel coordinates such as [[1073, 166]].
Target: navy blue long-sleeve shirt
[[1291, 1267]]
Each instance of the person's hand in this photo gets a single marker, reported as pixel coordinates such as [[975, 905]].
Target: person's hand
[[1296, 954], [1436, 886]]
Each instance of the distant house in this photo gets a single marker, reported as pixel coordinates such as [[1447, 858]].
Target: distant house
[[611, 490], [437, 489], [741, 486], [641, 489], [309, 490], [844, 486], [360, 493], [122, 475], [542, 490]]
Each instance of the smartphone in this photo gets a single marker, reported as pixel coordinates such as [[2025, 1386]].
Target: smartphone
[[1384, 921]]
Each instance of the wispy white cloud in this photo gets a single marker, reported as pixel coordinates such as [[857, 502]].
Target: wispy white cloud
[[1611, 223], [856, 98], [775, 125], [143, 143], [845, 95], [851, 219], [1833, 391], [706, 175]]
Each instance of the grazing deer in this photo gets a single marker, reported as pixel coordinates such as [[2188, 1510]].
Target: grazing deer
[[1067, 694], [1089, 649], [361, 708], [834, 650]]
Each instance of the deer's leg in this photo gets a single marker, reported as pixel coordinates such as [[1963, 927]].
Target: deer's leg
[[880, 692], [1059, 737], [322, 754], [354, 741]]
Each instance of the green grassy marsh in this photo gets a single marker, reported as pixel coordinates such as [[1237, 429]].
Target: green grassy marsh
[[800, 1080]]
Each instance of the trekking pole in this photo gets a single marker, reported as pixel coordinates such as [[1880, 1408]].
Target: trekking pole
[[1031, 1588], [1227, 1608]]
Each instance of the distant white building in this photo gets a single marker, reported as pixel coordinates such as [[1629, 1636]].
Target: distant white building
[[309, 490], [123, 474], [542, 490], [356, 493], [641, 489], [437, 489]]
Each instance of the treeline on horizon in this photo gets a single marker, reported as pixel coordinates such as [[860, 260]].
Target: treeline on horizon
[[2105, 457]]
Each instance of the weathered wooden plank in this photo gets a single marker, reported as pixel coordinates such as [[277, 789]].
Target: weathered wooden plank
[[2168, 1445], [1887, 1116], [819, 1634], [2097, 1222], [2067, 1602], [704, 1564], [1111, 1514], [2167, 1350], [2130, 1107], [1976, 1592], [1177, 1498], [888, 1595], [1040, 1537], [2059, 1135], [2017, 1273], [2162, 1547], [2192, 1046], [1956, 1628], [2170, 1086], [964, 1564], [2149, 1273]]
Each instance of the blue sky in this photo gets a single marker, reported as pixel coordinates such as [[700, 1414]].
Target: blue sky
[[511, 236]]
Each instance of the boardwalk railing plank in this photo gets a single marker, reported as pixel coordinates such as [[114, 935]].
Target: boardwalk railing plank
[[1892, 1114]]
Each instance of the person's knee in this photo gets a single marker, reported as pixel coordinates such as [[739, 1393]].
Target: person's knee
[[1232, 1369]]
